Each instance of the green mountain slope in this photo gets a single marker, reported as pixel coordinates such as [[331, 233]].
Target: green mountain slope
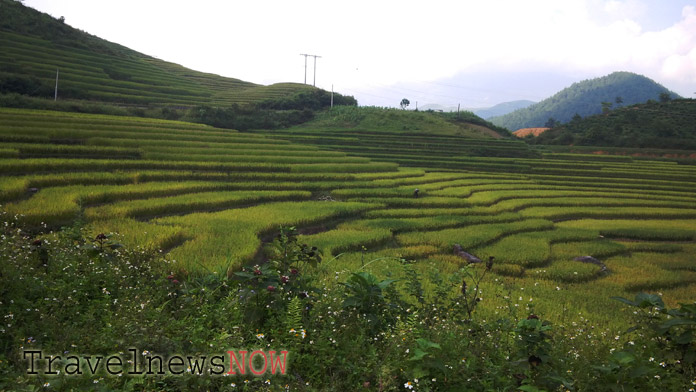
[[34, 45], [669, 124], [585, 98]]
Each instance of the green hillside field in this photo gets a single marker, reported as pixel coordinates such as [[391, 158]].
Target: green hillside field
[[211, 201], [35, 45], [110, 172]]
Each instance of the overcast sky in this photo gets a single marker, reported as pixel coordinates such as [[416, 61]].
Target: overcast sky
[[477, 53]]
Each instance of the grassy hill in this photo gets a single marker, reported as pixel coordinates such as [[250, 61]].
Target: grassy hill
[[410, 138], [653, 125], [34, 45], [584, 99]]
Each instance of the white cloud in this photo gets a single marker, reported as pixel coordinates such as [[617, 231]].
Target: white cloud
[[367, 45], [626, 9]]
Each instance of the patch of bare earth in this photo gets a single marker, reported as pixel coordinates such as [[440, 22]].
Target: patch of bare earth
[[526, 131]]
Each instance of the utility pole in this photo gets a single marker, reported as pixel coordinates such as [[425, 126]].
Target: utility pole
[[55, 97], [315, 71], [305, 67], [332, 96]]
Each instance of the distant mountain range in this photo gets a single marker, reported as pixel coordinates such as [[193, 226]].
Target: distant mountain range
[[502, 109], [485, 113], [585, 98]]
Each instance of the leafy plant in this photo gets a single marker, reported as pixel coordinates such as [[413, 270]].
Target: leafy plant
[[268, 289], [365, 294], [471, 298], [424, 360], [674, 329]]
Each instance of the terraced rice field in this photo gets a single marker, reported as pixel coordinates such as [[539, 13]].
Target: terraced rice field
[[211, 197], [111, 73]]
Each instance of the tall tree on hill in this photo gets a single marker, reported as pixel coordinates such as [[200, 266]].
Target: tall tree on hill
[[606, 107], [404, 103]]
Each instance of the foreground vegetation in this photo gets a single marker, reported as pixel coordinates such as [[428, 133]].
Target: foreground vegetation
[[344, 330]]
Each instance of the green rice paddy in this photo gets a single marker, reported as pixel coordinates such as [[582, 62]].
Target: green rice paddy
[[210, 198]]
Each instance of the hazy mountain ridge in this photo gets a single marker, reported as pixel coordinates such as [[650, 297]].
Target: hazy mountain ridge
[[485, 113], [585, 98], [502, 109]]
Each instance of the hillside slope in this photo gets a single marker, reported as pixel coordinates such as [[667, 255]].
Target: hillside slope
[[371, 119], [34, 45], [585, 98], [655, 124], [410, 138]]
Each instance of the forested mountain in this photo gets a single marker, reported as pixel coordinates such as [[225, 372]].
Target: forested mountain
[[668, 124], [585, 99]]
